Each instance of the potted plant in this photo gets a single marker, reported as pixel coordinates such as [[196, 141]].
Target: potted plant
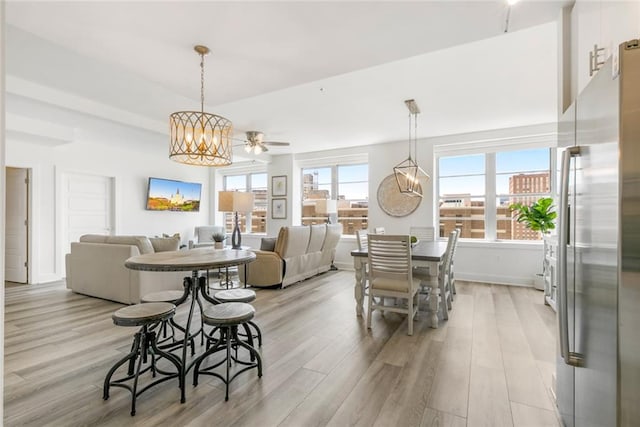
[[218, 239], [540, 216]]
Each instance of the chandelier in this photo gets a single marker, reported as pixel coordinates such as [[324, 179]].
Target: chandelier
[[199, 138], [408, 174]]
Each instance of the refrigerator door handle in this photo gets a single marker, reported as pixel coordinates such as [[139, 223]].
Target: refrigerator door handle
[[570, 358]]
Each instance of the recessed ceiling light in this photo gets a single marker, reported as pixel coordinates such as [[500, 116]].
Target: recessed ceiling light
[[512, 2]]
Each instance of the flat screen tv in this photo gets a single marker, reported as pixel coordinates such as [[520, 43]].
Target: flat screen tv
[[170, 195]]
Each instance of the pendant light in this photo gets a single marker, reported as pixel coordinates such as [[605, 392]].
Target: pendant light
[[199, 138], [408, 174]]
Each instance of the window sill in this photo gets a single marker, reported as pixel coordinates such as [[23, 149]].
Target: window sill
[[501, 244]]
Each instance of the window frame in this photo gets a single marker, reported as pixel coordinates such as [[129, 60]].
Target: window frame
[[334, 187], [249, 217], [490, 152]]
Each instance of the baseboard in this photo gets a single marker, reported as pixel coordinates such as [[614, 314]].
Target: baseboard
[[497, 279]]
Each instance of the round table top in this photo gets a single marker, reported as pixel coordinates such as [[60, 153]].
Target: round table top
[[190, 260]]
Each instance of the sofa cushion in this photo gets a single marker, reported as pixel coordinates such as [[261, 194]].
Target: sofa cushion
[[142, 242], [93, 238], [268, 244], [318, 231], [165, 244]]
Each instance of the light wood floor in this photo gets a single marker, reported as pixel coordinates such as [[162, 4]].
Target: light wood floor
[[489, 365]]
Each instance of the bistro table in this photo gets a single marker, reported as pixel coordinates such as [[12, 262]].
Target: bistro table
[[423, 254], [194, 260]]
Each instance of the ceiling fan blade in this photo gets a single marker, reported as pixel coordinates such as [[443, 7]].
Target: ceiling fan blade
[[276, 143]]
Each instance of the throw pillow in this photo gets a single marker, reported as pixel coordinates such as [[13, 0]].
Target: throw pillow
[[268, 244], [164, 244]]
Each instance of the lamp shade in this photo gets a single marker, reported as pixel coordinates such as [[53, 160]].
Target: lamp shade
[[235, 201], [326, 206]]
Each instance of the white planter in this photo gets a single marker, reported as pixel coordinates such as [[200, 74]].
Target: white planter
[[218, 245]]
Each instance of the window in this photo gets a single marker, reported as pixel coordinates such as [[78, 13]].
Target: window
[[348, 185], [257, 184], [475, 192]]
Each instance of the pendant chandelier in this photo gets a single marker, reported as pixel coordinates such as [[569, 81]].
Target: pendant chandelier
[[199, 138], [408, 174]]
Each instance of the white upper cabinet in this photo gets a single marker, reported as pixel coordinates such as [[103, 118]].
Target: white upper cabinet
[[603, 23]]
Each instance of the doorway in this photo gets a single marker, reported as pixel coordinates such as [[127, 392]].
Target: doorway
[[17, 225]]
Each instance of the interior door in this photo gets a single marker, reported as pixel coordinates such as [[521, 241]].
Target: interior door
[[87, 207], [17, 225]]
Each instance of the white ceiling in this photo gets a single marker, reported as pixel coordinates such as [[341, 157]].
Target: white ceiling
[[318, 74]]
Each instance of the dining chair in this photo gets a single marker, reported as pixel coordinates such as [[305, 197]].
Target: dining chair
[[452, 280], [441, 281], [363, 245], [390, 276], [423, 233]]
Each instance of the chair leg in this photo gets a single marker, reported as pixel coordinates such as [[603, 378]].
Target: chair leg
[[410, 315], [443, 300], [369, 308]]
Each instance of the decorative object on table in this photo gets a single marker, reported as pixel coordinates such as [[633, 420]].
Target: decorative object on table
[[279, 208], [171, 195], [328, 207], [199, 138], [279, 186], [392, 201], [218, 239], [407, 173], [255, 142], [235, 201], [540, 216]]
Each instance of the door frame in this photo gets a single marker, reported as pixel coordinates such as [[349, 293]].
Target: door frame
[[30, 205]]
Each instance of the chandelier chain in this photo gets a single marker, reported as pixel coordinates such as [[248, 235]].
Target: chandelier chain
[[202, 82]]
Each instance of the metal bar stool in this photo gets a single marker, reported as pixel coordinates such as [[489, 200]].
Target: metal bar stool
[[147, 316], [227, 317], [246, 296], [176, 298]]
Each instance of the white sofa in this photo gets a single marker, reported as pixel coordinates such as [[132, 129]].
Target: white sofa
[[95, 267], [300, 252]]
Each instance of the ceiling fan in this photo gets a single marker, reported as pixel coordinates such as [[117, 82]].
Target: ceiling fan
[[255, 142]]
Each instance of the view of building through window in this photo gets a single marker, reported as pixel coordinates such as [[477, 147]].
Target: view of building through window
[[468, 201], [257, 184], [347, 185]]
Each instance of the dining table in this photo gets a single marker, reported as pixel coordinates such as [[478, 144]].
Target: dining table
[[423, 254], [195, 261]]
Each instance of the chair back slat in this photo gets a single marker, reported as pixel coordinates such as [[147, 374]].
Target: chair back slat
[[423, 233], [362, 240], [389, 256], [448, 255]]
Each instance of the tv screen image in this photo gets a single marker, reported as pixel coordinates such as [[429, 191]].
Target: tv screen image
[[170, 195]]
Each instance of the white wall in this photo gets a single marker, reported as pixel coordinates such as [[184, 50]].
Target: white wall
[[130, 160]]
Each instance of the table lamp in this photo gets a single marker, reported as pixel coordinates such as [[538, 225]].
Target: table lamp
[[235, 201], [327, 207]]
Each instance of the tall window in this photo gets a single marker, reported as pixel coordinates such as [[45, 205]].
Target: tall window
[[475, 192], [257, 184], [348, 185]]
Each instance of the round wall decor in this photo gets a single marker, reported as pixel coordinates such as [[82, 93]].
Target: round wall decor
[[393, 202]]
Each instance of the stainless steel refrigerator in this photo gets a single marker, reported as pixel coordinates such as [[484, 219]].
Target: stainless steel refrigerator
[[598, 363]]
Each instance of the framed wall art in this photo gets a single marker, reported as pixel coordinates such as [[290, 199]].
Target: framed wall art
[[279, 186], [278, 208]]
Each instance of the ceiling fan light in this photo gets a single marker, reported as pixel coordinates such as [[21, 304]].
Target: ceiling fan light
[[257, 149], [247, 148]]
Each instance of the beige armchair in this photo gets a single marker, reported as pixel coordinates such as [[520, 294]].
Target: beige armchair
[[300, 252]]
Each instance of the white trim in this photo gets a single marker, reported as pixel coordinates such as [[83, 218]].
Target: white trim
[[319, 159], [519, 138]]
